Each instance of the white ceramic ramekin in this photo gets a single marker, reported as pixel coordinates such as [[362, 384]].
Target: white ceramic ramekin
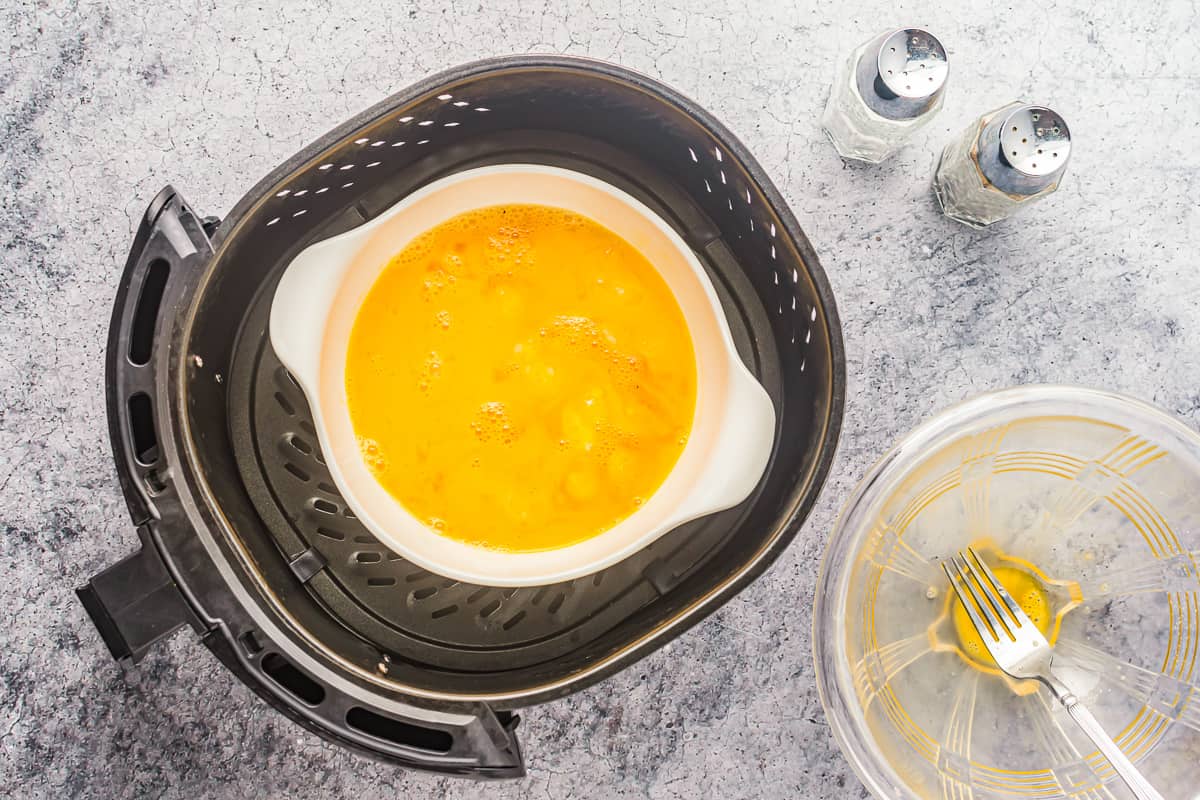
[[318, 299]]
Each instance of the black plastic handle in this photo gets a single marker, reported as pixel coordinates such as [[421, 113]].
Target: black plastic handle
[[136, 603]]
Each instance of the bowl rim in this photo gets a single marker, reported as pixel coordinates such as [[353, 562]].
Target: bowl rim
[[740, 391], [830, 664]]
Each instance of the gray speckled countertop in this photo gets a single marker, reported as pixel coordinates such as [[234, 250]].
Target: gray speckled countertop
[[103, 104]]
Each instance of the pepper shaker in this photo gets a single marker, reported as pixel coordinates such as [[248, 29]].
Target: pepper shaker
[[889, 87], [1008, 158]]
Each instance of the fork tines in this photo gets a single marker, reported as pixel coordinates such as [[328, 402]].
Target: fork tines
[[989, 605]]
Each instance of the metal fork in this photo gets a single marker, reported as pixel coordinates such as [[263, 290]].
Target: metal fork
[[1022, 652]]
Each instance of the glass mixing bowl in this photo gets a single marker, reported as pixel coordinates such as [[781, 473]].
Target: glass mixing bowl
[[1088, 504]]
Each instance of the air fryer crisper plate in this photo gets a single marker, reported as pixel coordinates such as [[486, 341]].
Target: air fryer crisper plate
[[246, 538]]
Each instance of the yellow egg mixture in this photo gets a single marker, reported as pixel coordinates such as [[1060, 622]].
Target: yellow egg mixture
[[1029, 595], [520, 377]]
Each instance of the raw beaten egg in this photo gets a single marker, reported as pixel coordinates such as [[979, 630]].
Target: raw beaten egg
[[521, 378], [1028, 593]]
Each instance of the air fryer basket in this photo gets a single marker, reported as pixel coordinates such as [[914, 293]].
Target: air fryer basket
[[245, 536]]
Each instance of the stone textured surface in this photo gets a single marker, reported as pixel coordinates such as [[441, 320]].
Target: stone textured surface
[[103, 103]]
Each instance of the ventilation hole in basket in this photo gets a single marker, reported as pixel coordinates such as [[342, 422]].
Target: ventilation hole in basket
[[287, 677], [142, 429], [723, 181], [489, 609], [793, 304], [424, 593], [397, 144], [330, 533], [444, 612], [406, 120], [307, 427], [365, 539], [730, 200], [379, 143], [717, 153], [283, 193], [301, 193], [813, 315], [779, 310], [374, 164], [346, 512], [381, 581], [413, 577], [461, 103], [477, 595], [776, 274], [803, 361], [772, 230], [445, 97], [272, 221], [692, 153], [368, 557], [752, 224], [449, 583], [363, 140], [347, 185], [556, 603], [481, 108], [513, 620], [451, 125], [325, 166], [538, 595], [322, 190], [425, 123], [795, 275], [287, 407], [808, 336], [747, 197], [423, 141], [299, 473], [772, 251], [408, 736], [345, 167], [301, 212], [299, 444], [706, 186], [597, 579], [324, 506]]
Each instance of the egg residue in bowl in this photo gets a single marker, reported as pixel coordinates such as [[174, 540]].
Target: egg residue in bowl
[[520, 378]]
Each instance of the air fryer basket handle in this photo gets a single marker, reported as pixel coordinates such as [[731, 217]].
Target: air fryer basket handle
[[136, 602]]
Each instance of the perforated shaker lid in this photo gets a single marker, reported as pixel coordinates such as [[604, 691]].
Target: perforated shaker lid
[[1024, 148], [902, 73]]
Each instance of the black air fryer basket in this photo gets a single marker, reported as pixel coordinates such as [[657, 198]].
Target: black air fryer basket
[[244, 536]]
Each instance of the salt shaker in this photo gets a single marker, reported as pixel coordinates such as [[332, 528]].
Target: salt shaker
[[887, 88], [1006, 159]]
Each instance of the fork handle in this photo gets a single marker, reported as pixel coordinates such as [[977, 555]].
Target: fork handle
[[1133, 778]]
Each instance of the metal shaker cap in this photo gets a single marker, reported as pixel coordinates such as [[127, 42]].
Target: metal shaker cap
[[1024, 148], [901, 74]]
